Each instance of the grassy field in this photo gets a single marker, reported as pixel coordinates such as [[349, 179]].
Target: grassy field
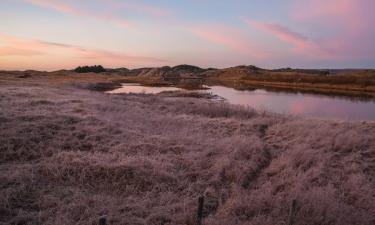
[[69, 154]]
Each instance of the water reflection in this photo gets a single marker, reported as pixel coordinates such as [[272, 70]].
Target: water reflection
[[310, 105], [300, 104], [129, 88]]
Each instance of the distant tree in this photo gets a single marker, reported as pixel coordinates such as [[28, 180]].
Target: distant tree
[[78, 69], [90, 69], [188, 68]]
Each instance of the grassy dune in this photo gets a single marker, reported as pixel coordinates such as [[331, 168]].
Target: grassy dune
[[69, 155]]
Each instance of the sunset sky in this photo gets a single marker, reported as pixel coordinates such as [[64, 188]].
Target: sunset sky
[[62, 34]]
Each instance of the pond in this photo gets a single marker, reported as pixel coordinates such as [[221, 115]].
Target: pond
[[301, 104]]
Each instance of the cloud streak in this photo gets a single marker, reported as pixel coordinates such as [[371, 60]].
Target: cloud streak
[[300, 44], [62, 7], [281, 32], [143, 9], [228, 38], [349, 22], [15, 46], [331, 12], [139, 8]]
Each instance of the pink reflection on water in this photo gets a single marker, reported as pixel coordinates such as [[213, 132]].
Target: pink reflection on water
[[139, 89], [309, 105], [299, 104]]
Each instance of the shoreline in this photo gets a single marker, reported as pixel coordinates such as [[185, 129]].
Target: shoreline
[[239, 84], [269, 86], [323, 89]]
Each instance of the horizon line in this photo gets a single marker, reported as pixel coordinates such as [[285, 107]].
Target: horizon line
[[205, 68]]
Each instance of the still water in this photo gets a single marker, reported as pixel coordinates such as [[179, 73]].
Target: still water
[[128, 88], [309, 105]]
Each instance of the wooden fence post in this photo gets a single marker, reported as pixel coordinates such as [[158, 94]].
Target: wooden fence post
[[200, 210], [292, 212], [103, 220]]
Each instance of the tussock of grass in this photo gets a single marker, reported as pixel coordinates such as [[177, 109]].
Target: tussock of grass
[[68, 156], [188, 94]]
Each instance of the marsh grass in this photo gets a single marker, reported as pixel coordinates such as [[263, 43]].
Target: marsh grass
[[69, 155]]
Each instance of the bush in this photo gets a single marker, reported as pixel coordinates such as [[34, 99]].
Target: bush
[[89, 69]]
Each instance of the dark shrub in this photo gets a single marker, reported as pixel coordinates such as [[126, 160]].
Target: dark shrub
[[88, 69]]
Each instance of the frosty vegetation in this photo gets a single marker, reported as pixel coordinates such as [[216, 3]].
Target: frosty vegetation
[[69, 155]]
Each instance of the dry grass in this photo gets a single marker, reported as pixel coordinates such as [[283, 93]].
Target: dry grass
[[189, 94], [69, 155]]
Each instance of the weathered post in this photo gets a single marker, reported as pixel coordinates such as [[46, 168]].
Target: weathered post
[[103, 220], [200, 210], [292, 212]]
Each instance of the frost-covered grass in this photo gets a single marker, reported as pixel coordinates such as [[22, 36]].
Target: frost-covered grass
[[69, 155]]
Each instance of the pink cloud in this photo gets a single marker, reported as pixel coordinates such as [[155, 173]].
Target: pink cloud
[[17, 47], [280, 32], [25, 47], [349, 23], [301, 44], [229, 38], [330, 11], [56, 5], [14, 51], [62, 7]]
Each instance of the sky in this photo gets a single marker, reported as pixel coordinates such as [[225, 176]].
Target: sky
[[62, 34]]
